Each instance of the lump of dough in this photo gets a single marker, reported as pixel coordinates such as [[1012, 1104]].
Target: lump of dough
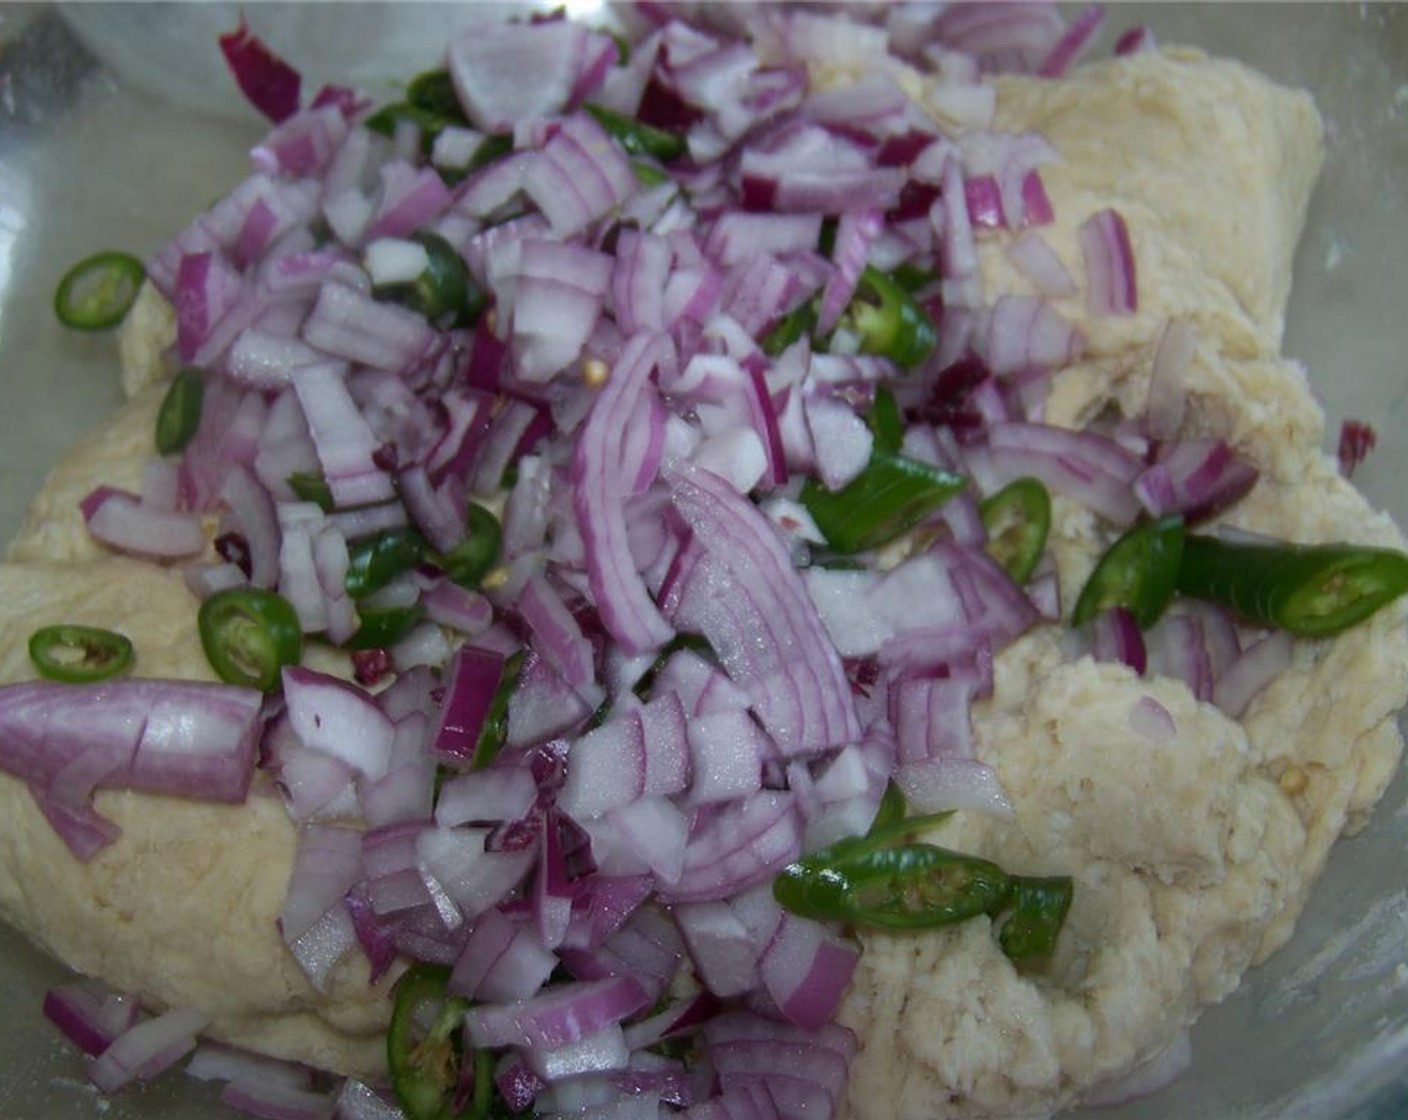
[[1210, 164], [182, 907], [1192, 857]]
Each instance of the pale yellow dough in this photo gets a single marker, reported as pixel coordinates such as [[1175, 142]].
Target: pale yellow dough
[[1190, 857]]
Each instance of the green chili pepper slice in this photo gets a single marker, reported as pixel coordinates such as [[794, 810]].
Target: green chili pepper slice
[[424, 1045], [888, 321], [375, 561], [179, 415], [434, 91], [311, 486], [792, 326], [639, 139], [492, 149], [475, 556], [1017, 519], [249, 635], [1312, 591], [912, 886], [892, 495], [98, 291], [495, 730], [1140, 572], [647, 174], [912, 278], [885, 421], [79, 654], [1039, 908], [444, 292], [383, 626]]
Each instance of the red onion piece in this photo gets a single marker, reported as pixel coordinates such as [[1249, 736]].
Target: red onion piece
[[1238, 684], [506, 73], [1074, 40], [1115, 636], [1357, 440], [1112, 287], [90, 1015], [271, 84], [123, 521], [1197, 478], [338, 719], [1038, 262], [147, 1049], [565, 1014]]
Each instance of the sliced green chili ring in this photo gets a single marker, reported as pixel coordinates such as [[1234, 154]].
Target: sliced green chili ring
[[1139, 572], [179, 415], [474, 557], [1039, 908], [1312, 591], [1017, 519], [495, 730], [79, 654], [639, 139], [445, 293], [888, 321], [97, 292], [885, 421], [312, 486], [424, 1044], [913, 886], [375, 561], [792, 326], [249, 635], [383, 626], [892, 495]]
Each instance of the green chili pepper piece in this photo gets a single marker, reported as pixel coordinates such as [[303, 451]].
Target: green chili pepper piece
[[1039, 908], [792, 326], [79, 654], [249, 635], [311, 486], [912, 278], [1312, 591], [495, 729], [179, 415], [434, 91], [492, 149], [885, 421], [913, 886], [891, 811], [1139, 572], [424, 1044], [383, 626], [1017, 519], [826, 237], [680, 641], [98, 291], [376, 561], [444, 292], [647, 174], [475, 556], [639, 139], [892, 495], [888, 321]]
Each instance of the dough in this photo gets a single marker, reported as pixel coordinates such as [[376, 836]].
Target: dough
[[1192, 856]]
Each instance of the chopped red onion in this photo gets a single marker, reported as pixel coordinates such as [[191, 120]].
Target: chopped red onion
[[147, 1049], [90, 1015], [1109, 265], [271, 84]]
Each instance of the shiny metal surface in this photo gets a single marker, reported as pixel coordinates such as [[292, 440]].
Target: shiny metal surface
[[88, 161]]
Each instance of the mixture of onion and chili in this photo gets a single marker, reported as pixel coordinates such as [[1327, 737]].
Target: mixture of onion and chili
[[626, 502]]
